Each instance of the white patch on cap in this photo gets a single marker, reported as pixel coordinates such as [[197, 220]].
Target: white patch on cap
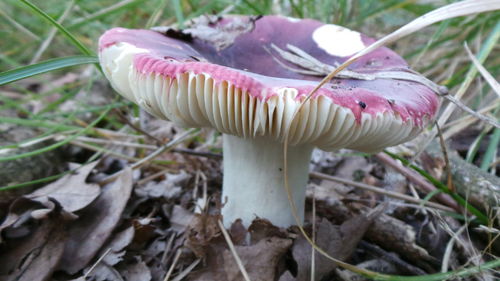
[[337, 40], [293, 19]]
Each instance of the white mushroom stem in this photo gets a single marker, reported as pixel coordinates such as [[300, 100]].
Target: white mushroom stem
[[253, 183]]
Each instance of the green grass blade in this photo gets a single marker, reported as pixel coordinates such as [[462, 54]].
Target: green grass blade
[[58, 144], [59, 27], [179, 14], [491, 151], [42, 67], [441, 186], [104, 12], [451, 275], [57, 127]]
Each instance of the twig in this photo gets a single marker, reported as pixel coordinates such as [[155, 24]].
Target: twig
[[449, 248], [104, 151], [151, 147], [198, 153], [96, 263], [380, 191], [172, 266], [390, 257], [153, 155], [133, 126], [186, 271], [479, 116], [151, 177], [168, 247], [233, 251], [418, 180], [120, 143]]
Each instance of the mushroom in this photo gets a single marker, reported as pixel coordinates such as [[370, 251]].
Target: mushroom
[[245, 77]]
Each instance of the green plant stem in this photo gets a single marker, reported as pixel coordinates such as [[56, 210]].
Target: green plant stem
[[491, 151], [441, 186]]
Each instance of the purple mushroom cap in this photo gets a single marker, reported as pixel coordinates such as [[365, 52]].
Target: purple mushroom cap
[[245, 76], [239, 55]]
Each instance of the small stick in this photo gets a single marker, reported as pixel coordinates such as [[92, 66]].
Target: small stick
[[418, 180], [172, 266], [198, 153], [105, 151], [151, 156], [133, 126], [152, 177], [391, 258], [381, 191], [233, 251], [449, 248], [186, 271], [120, 143], [168, 247], [96, 263]]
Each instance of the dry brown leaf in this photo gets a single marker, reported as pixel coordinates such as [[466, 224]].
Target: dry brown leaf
[[169, 188], [136, 271], [19, 212], [102, 272], [117, 245], [71, 191], [264, 259], [338, 241], [202, 232], [238, 233], [97, 221], [180, 218], [260, 260], [34, 257]]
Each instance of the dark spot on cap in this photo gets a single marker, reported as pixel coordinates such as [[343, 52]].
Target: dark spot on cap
[[194, 58], [391, 101], [373, 62], [387, 58], [179, 34], [362, 104]]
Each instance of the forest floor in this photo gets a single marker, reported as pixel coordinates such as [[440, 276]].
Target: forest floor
[[83, 198]]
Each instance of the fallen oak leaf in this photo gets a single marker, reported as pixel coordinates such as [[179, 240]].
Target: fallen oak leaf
[[96, 223], [338, 241], [35, 256], [19, 212], [135, 271], [265, 259], [71, 191], [117, 246]]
